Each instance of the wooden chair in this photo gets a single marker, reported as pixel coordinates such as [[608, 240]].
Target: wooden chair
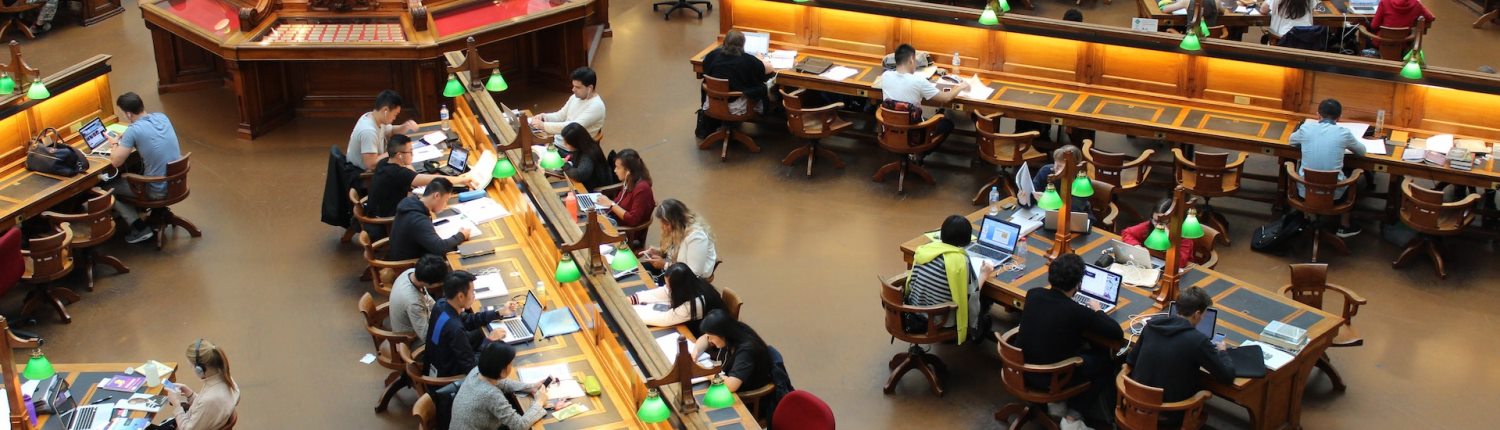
[[426, 412], [365, 220], [1423, 210], [1110, 167], [1209, 175], [894, 303], [385, 346], [418, 377], [12, 17], [49, 259], [1139, 407], [91, 228], [1013, 371], [732, 303], [161, 217], [894, 129], [1391, 42], [1318, 201], [234, 417], [1103, 206], [812, 124], [752, 399], [634, 234], [719, 97], [383, 272], [1491, 10], [1204, 253], [1309, 285], [1005, 151]]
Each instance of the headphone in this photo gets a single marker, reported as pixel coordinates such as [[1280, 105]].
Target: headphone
[[198, 356]]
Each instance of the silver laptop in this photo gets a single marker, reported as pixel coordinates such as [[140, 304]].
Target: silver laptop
[[1078, 222], [1363, 7], [586, 202], [1099, 286], [757, 44], [1136, 256], [521, 329], [96, 136], [93, 417], [997, 239]]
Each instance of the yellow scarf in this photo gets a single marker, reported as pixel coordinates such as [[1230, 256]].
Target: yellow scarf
[[956, 263]]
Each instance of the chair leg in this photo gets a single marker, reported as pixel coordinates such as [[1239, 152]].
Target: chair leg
[[112, 262], [1412, 246], [797, 154], [921, 172], [84, 259], [57, 297], [391, 389], [1218, 222], [1437, 258], [1326, 365], [348, 235], [933, 368], [177, 221], [886, 170], [838, 163], [900, 364], [712, 138]]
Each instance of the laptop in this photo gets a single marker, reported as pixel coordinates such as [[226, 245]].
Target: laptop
[[1135, 263], [521, 329], [92, 417], [1099, 286], [1208, 325], [997, 240], [1363, 7], [757, 44], [1078, 222], [458, 162], [94, 135], [586, 202]]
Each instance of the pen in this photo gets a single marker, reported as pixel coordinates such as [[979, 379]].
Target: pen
[[105, 399]]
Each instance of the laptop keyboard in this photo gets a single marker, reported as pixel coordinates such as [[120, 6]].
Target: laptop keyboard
[[85, 418], [515, 328], [585, 203], [989, 252], [1089, 302]]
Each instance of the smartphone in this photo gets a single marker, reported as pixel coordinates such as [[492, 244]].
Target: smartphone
[[549, 381], [661, 307], [1218, 339]]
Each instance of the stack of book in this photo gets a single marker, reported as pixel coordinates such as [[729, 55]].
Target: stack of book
[[1460, 159]]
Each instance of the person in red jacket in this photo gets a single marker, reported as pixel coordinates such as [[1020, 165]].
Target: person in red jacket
[[1137, 234], [1399, 13], [636, 202]]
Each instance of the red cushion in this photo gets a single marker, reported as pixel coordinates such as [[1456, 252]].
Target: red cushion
[[801, 410], [11, 263]]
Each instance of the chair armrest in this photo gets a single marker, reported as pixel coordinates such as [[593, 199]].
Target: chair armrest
[[1365, 33], [981, 116], [1182, 159], [1109, 219], [796, 92], [59, 218], [138, 182], [1350, 180], [1291, 172], [1349, 295], [1049, 368], [1141, 160], [757, 393], [1192, 402], [1237, 162], [823, 109], [1284, 289]]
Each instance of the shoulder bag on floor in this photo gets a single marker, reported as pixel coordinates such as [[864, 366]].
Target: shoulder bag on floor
[[47, 154]]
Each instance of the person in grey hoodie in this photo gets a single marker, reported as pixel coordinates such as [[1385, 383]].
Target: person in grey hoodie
[[1171, 350], [152, 135], [413, 233]]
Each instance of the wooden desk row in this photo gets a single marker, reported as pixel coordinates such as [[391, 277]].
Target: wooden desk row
[[1274, 402], [79, 94], [83, 380], [1328, 13]]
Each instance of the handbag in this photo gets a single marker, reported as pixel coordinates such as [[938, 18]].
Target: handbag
[[47, 154]]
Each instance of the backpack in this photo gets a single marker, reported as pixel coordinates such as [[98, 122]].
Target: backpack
[[1273, 237], [914, 137]]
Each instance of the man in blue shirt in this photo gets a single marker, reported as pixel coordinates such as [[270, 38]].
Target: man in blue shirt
[[152, 135], [1323, 144]]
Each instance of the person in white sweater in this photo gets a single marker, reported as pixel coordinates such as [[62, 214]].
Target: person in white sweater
[[685, 238], [584, 107]]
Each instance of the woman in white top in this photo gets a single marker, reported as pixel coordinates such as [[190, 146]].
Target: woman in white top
[[212, 406], [683, 298], [1288, 14], [685, 238]]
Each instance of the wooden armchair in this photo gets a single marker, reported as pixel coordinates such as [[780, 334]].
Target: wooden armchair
[[1110, 167], [893, 301], [1005, 151], [12, 17], [91, 228], [426, 412], [1204, 253], [1103, 206], [1320, 199], [812, 124], [383, 272], [1138, 407], [48, 258], [385, 347], [1309, 285], [379, 226], [719, 97], [732, 303], [1391, 42], [1013, 371], [414, 371], [895, 127], [1423, 210], [161, 217], [1209, 175], [714, 273], [752, 399]]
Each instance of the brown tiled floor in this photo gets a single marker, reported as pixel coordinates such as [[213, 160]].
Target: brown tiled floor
[[273, 286]]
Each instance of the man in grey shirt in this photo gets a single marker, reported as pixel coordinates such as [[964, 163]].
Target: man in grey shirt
[[1323, 144], [152, 135], [367, 141], [480, 403], [411, 305]]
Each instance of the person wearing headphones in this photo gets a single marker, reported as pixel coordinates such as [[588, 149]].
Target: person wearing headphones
[[211, 407]]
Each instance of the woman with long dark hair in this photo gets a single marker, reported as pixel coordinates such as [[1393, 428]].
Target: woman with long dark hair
[[587, 163], [636, 202], [1288, 14], [749, 363], [685, 298]]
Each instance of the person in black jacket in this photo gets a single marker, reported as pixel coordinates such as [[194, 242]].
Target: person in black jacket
[[413, 234], [746, 74], [587, 163], [1171, 350], [453, 331], [393, 180], [1053, 327]]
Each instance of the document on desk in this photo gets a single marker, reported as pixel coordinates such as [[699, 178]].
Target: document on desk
[[424, 153], [489, 286], [535, 374], [668, 345], [435, 137], [839, 73], [1275, 357], [1440, 143], [782, 60], [481, 210], [449, 226], [977, 90]]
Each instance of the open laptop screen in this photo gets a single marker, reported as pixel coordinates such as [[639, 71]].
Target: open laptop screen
[[999, 234], [1101, 284], [1207, 326], [458, 158], [757, 43], [93, 133], [531, 314]]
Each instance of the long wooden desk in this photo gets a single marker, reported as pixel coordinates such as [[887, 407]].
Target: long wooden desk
[[84, 378], [1328, 13], [1274, 402]]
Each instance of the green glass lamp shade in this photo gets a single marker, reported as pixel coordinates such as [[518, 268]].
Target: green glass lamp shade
[[453, 88], [567, 271], [1413, 67], [1203, 28], [1191, 228], [1083, 186], [1004, 6], [551, 160], [800, 1], [38, 367], [653, 410], [624, 259], [504, 169], [7, 85], [496, 83], [39, 91], [1158, 240], [1050, 200], [988, 17], [1190, 42], [718, 395]]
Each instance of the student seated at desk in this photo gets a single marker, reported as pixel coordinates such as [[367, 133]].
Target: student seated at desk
[[633, 204], [454, 330], [940, 274], [584, 107], [210, 407], [1400, 13], [1053, 327], [413, 234], [481, 402], [152, 135], [1039, 182], [746, 74], [367, 141], [1323, 144], [411, 306], [685, 297], [905, 91], [586, 164], [1171, 350], [685, 238], [1136, 235], [749, 363], [394, 179], [1288, 14]]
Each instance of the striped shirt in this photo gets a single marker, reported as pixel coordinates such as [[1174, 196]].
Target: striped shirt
[[928, 286]]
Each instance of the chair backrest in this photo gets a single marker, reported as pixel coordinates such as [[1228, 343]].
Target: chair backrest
[[1102, 203], [1392, 42], [897, 129], [719, 96], [1210, 174], [1001, 149], [49, 255], [426, 412], [234, 417], [792, 102], [97, 216], [386, 271], [1138, 407], [732, 303], [893, 300], [12, 263], [1104, 165], [1321, 187], [1425, 211], [1309, 282], [1218, 32], [800, 410], [177, 185], [1203, 247], [1013, 370]]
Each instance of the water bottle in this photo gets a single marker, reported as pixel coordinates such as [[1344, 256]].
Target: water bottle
[[956, 61], [443, 114], [541, 292], [1019, 259], [994, 201]]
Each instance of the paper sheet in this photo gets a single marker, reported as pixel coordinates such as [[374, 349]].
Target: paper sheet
[[481, 210], [565, 389], [535, 374], [424, 153], [839, 73], [668, 345], [782, 60], [453, 225], [435, 137], [489, 285], [1440, 143], [1275, 357], [977, 90]]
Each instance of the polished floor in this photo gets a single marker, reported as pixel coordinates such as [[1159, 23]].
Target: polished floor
[[274, 287]]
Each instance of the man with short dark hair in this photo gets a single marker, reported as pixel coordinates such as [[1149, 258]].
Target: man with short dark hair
[[1323, 144], [152, 135], [394, 179], [411, 305], [413, 233], [367, 141], [453, 332], [1053, 327], [1171, 350], [584, 107], [905, 91]]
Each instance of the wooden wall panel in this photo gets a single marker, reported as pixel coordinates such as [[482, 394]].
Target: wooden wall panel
[[943, 40], [1041, 57], [782, 20], [851, 31], [14, 133], [1460, 112], [1223, 80], [1361, 98], [68, 110], [1140, 69]]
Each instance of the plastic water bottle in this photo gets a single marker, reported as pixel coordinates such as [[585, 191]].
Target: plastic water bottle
[[443, 114], [994, 201], [956, 61], [541, 292], [1019, 259]]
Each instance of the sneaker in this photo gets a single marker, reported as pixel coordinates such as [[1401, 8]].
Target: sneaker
[[139, 235], [1350, 231]]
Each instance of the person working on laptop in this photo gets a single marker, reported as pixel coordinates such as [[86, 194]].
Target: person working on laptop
[[635, 200], [453, 332], [746, 74], [1171, 350], [367, 141], [412, 232], [481, 402], [211, 406], [905, 91], [152, 135], [584, 107], [1136, 235], [940, 274], [394, 179], [749, 362], [411, 306], [1053, 327], [1323, 144], [586, 164], [685, 238], [686, 297]]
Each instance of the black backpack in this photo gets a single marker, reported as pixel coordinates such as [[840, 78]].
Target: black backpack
[[1273, 237]]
